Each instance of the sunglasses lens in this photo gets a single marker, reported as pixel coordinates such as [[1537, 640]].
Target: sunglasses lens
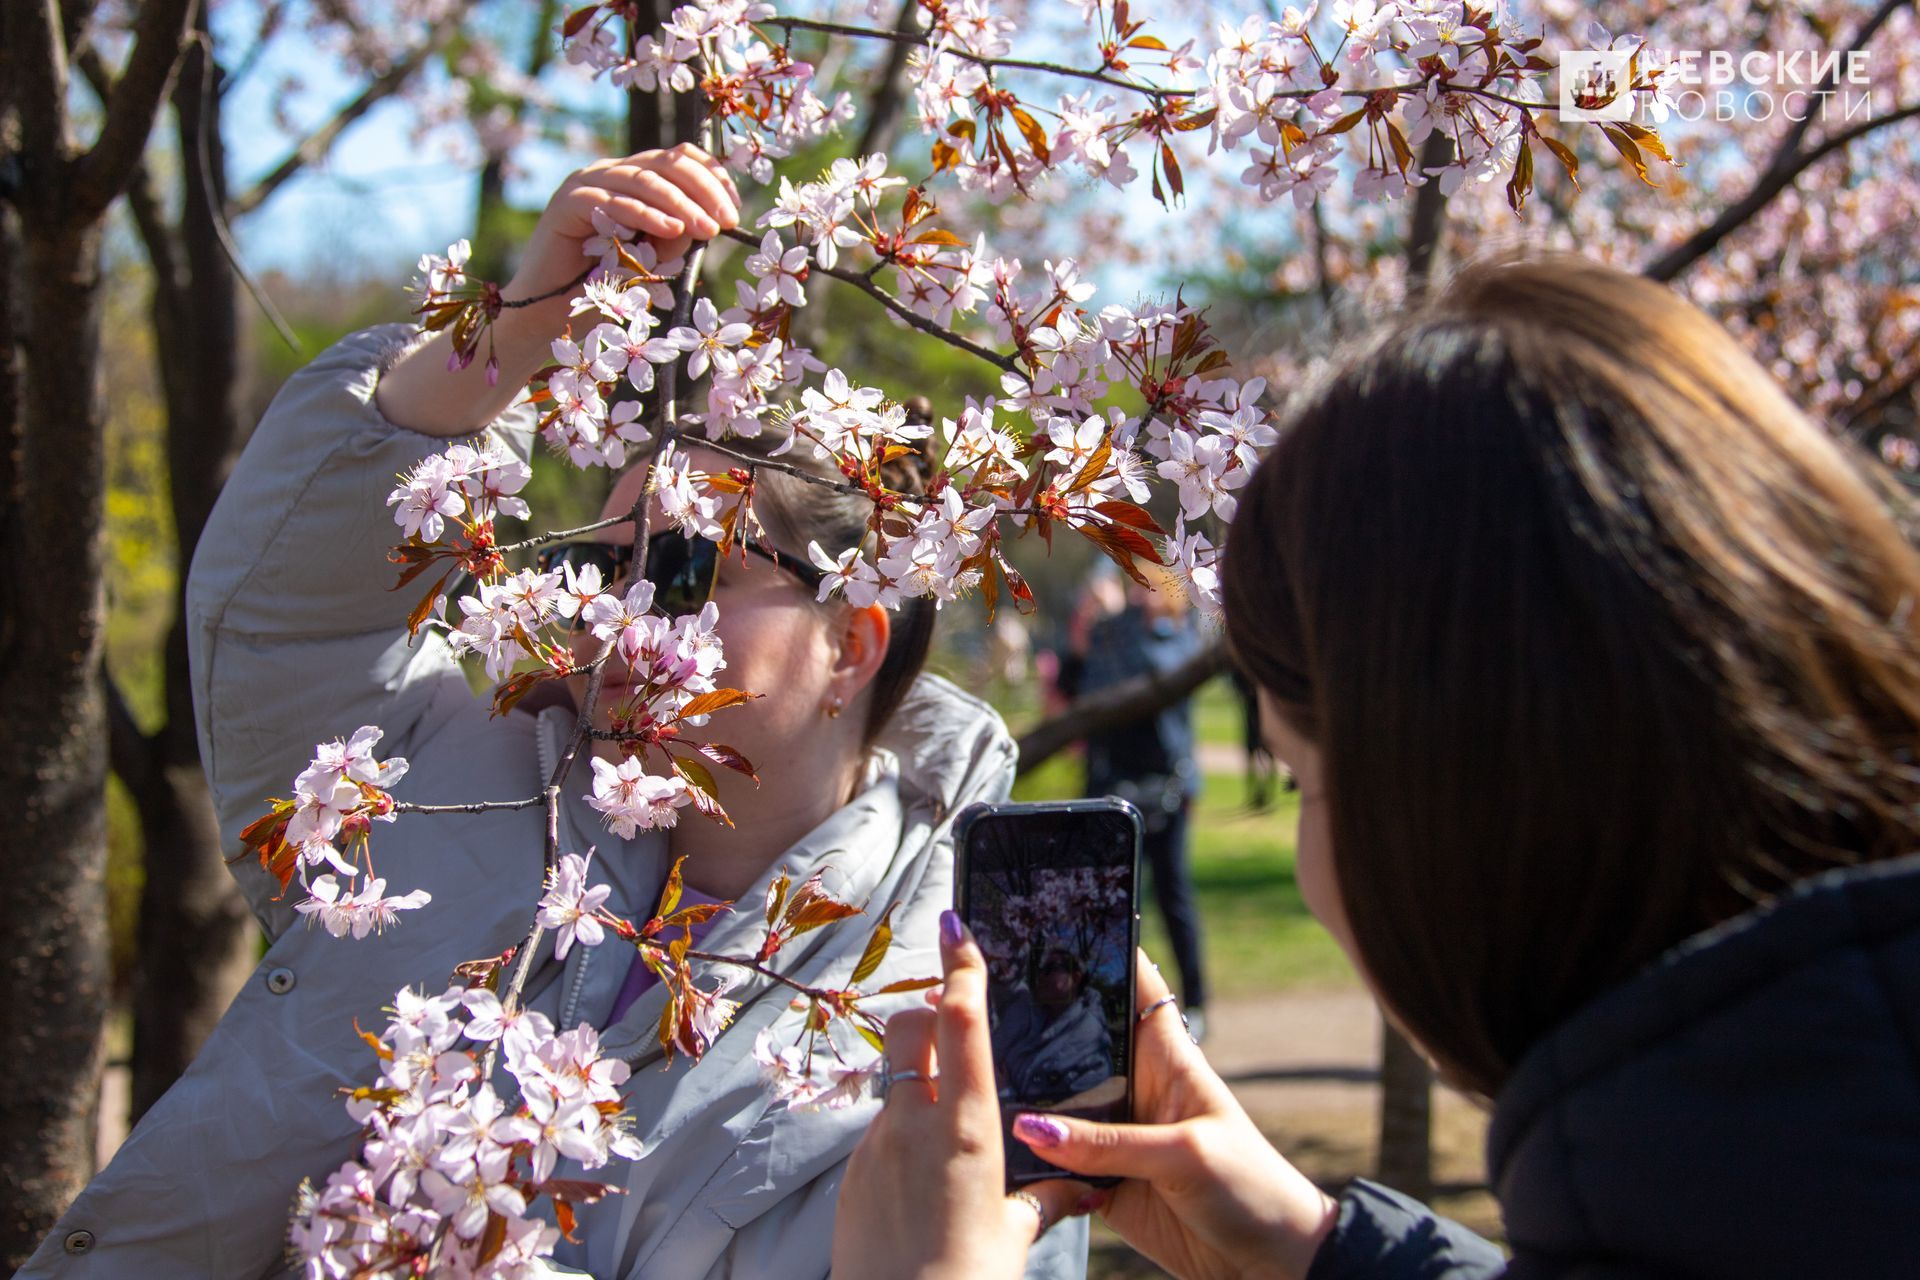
[[682, 571]]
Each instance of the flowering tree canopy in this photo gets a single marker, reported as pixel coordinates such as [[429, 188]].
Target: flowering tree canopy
[[1100, 405]]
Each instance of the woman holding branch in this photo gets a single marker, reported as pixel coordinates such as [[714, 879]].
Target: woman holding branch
[[862, 756], [1599, 668]]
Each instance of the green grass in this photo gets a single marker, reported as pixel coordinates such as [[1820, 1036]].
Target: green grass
[[1257, 932]]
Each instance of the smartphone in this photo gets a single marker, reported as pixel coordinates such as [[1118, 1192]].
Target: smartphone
[[1051, 894]]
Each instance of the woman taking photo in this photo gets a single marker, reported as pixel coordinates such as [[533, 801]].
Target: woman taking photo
[[297, 639], [1599, 669]]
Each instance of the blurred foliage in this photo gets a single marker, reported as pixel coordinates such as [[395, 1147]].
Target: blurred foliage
[[142, 569]]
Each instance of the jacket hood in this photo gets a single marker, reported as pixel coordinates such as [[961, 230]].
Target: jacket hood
[[1748, 1106]]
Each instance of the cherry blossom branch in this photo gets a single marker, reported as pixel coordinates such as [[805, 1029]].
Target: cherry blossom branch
[[742, 962], [753, 461], [1762, 193], [863, 282], [478, 806], [555, 292], [523, 965], [924, 39], [561, 535]]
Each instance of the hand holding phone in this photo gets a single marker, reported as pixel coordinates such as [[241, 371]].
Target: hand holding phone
[[1050, 892]]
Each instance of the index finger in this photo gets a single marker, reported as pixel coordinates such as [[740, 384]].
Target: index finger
[[961, 1035]]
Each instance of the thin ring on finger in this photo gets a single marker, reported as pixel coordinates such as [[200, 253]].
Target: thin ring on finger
[[1033, 1202], [1155, 1007], [883, 1082]]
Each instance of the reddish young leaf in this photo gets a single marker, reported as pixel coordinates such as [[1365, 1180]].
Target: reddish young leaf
[[727, 758], [907, 984], [1095, 465], [577, 20], [1035, 135], [1128, 513], [670, 892], [696, 913], [777, 896], [718, 700], [877, 943], [1520, 185], [1567, 158]]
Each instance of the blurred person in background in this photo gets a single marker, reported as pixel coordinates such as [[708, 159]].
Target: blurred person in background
[[1149, 762]]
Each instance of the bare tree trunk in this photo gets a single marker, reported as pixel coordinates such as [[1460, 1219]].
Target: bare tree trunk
[[1405, 1160], [53, 764], [53, 740]]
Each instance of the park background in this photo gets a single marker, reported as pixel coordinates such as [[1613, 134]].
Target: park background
[[295, 174]]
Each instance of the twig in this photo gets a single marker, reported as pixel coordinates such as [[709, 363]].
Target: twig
[[478, 806], [524, 965], [924, 39], [859, 281], [560, 535]]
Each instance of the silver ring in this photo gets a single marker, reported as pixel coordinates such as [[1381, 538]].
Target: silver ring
[[1155, 1007], [885, 1080], [1032, 1202]]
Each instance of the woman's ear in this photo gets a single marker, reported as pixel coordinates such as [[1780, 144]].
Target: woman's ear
[[864, 634]]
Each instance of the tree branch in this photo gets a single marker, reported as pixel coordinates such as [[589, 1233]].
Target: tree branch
[[1787, 163], [883, 113], [923, 38], [129, 751], [314, 147], [860, 281], [1120, 704], [1761, 194], [37, 59], [161, 33]]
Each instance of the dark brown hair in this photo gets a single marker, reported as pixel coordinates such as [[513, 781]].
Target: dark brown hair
[[796, 513], [1600, 639]]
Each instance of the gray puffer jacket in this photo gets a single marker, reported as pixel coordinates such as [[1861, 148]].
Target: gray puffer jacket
[[296, 639]]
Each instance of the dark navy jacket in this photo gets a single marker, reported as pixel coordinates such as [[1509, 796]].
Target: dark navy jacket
[[1749, 1107]]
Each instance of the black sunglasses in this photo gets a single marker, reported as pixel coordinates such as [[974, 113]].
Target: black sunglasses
[[682, 570]]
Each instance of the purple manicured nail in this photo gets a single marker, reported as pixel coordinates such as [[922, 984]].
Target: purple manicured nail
[[1039, 1131], [952, 932]]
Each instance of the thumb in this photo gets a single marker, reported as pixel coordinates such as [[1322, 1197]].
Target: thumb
[[1150, 1152]]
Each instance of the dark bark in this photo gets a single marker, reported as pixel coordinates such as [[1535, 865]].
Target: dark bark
[[53, 729], [53, 952], [1119, 704], [890, 91]]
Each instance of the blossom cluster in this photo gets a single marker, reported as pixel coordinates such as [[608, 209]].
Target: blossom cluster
[[713, 46], [451, 1172], [1294, 89], [336, 799]]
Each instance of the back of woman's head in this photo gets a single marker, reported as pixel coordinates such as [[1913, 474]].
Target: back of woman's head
[[1600, 639]]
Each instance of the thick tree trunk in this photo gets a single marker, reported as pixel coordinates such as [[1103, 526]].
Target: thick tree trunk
[[196, 937], [1405, 1160], [53, 758]]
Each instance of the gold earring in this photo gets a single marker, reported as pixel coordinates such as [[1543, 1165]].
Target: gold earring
[[835, 706]]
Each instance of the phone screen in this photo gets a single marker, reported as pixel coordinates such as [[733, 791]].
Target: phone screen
[[1049, 893]]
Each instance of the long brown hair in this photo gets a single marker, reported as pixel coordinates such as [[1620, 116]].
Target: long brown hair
[[1601, 640]]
